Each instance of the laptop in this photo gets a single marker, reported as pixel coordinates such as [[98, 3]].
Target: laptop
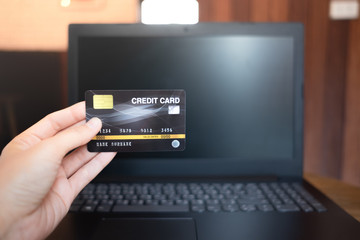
[[240, 174]]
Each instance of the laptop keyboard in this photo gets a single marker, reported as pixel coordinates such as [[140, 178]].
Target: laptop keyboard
[[195, 197]]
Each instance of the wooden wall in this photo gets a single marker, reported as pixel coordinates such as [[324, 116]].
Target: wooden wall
[[351, 167], [332, 77]]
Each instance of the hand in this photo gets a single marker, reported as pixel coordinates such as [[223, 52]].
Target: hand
[[39, 179]]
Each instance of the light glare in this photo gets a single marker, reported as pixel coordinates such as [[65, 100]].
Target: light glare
[[65, 3], [169, 12]]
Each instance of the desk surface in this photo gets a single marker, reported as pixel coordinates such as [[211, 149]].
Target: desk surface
[[345, 195]]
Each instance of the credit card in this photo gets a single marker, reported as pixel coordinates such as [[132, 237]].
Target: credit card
[[137, 120]]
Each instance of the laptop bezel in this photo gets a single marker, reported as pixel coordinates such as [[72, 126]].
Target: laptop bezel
[[200, 167]]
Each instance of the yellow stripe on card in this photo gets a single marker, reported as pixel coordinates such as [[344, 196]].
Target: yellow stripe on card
[[139, 137]]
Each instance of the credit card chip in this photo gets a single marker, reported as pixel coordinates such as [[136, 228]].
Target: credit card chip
[[103, 101]]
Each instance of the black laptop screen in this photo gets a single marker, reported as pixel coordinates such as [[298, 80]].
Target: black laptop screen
[[239, 89]]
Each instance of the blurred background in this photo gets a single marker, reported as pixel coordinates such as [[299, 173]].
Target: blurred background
[[33, 62]]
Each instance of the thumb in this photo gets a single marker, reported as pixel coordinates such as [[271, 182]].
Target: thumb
[[71, 138]]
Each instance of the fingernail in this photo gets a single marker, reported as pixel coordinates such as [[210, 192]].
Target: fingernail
[[94, 123]]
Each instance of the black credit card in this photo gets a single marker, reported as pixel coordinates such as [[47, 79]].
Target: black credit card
[[137, 120]]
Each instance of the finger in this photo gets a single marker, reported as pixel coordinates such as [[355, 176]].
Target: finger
[[72, 138], [57, 121], [76, 160], [74, 125], [82, 122], [89, 171], [25, 141]]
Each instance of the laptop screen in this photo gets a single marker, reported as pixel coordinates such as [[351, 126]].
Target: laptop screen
[[240, 88]]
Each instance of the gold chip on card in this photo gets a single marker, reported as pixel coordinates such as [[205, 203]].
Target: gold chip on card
[[103, 102]]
